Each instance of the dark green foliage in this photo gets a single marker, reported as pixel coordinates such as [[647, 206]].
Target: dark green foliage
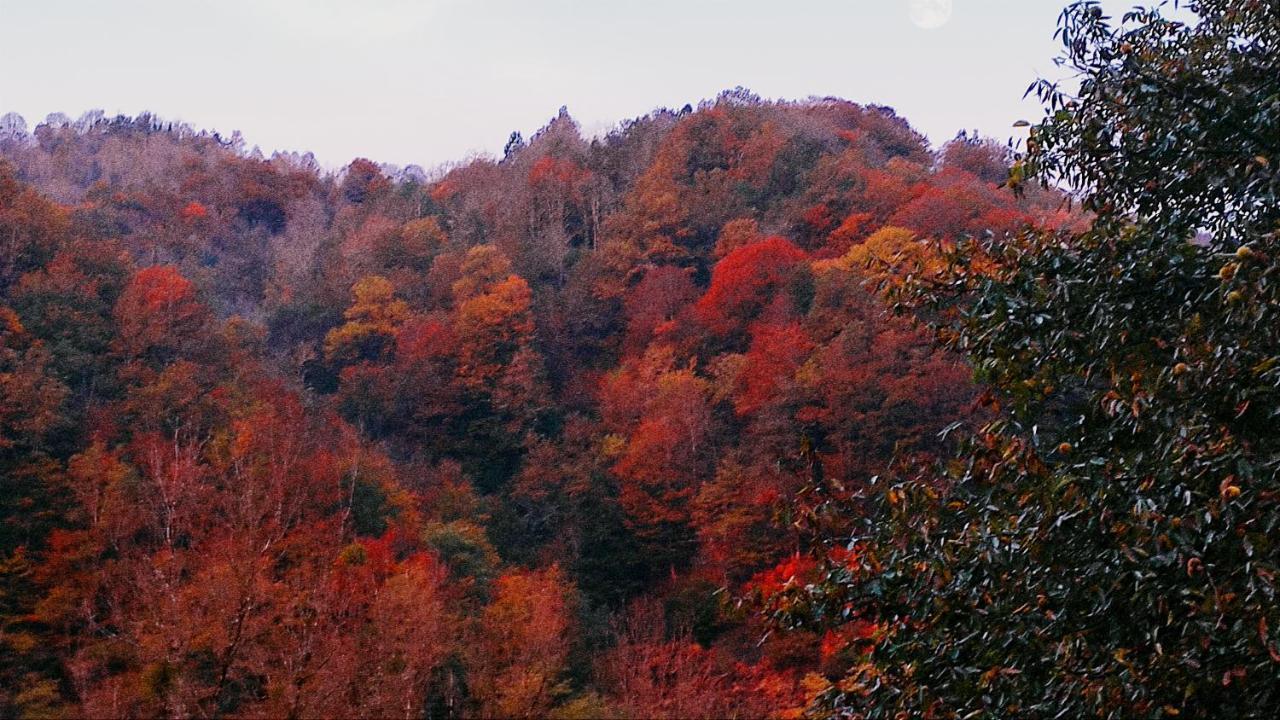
[[695, 608], [610, 568], [370, 509], [263, 213], [464, 547], [1107, 546]]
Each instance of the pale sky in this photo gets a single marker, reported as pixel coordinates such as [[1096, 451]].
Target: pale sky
[[431, 81]]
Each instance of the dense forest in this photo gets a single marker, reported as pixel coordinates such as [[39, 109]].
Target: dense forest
[[749, 409]]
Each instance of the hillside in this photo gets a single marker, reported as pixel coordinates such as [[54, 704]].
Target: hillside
[[278, 439]]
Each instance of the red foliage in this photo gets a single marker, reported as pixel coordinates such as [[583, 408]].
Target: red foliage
[[159, 289], [787, 574], [819, 218], [654, 492], [956, 203], [363, 180], [193, 211], [443, 191], [158, 311], [744, 281], [854, 229], [775, 354], [653, 305], [424, 339]]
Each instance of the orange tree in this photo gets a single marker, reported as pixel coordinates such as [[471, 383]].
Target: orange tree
[[1106, 546]]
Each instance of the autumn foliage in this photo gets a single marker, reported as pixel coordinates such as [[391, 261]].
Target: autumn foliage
[[524, 439]]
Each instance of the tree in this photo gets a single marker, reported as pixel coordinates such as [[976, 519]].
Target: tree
[[159, 317], [664, 447], [984, 158], [518, 658], [745, 281], [657, 305], [776, 352], [1104, 547], [622, 356], [492, 328], [30, 400], [652, 673], [735, 234], [32, 503], [413, 245], [32, 227], [363, 180], [483, 267], [69, 304], [373, 320]]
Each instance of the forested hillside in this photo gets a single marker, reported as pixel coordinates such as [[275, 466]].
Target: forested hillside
[[527, 436], [754, 409]]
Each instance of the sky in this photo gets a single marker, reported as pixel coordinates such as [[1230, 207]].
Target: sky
[[430, 82]]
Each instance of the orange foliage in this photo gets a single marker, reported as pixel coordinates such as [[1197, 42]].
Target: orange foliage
[[158, 314], [491, 328], [518, 657]]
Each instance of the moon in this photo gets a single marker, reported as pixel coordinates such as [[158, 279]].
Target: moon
[[930, 14]]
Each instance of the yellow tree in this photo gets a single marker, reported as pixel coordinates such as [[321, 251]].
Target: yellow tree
[[373, 321]]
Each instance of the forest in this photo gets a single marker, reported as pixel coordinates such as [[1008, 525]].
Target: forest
[[754, 408]]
